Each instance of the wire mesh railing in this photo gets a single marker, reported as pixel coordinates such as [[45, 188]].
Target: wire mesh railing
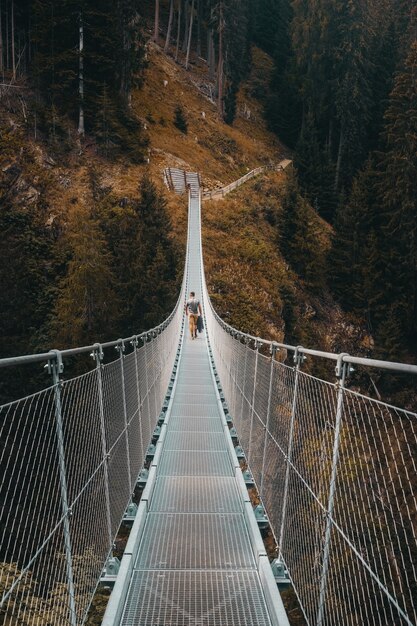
[[69, 460], [336, 471]]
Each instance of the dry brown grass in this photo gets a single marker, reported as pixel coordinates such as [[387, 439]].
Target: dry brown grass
[[221, 153], [243, 264]]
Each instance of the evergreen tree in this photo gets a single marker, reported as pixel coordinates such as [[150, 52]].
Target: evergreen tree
[[352, 263], [87, 306], [373, 258], [283, 105], [180, 121], [398, 193], [237, 52], [315, 170], [299, 236], [113, 55], [155, 266], [265, 23]]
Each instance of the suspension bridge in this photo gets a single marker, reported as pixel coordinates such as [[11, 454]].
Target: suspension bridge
[[199, 446]]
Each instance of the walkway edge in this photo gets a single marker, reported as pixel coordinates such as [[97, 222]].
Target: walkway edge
[[116, 604]]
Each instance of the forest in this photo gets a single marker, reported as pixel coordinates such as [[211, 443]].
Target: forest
[[342, 98], [92, 245]]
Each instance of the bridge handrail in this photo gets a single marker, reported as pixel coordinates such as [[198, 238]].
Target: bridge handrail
[[334, 470], [53, 355], [240, 181], [60, 447], [407, 368]]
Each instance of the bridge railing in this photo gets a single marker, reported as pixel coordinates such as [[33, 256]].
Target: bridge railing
[[70, 456], [214, 193], [336, 471]]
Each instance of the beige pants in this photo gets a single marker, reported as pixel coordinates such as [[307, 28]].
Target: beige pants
[[192, 321]]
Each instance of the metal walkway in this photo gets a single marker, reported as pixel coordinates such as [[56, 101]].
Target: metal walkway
[[334, 467], [197, 557]]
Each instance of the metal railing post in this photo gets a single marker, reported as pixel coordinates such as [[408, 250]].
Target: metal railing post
[[135, 344], [273, 349], [56, 367], [121, 349], [298, 360], [233, 372], [145, 341], [341, 372], [156, 374], [258, 344], [97, 354], [245, 341]]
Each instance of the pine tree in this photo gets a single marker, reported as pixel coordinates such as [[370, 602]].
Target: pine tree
[[300, 236], [398, 192], [87, 306], [351, 263], [315, 170], [180, 120], [155, 265]]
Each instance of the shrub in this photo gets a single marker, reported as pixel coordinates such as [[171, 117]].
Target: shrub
[[180, 121]]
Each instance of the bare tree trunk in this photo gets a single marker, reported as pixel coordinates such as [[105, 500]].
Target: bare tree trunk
[[187, 21], [198, 28], [1, 43], [330, 140], [7, 37], [29, 41], [208, 46], [156, 31], [220, 65], [190, 34], [178, 30], [81, 129], [171, 15], [13, 45], [339, 159], [211, 56]]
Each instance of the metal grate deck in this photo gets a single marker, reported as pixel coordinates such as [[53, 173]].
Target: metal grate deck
[[196, 424], [213, 598], [193, 387], [201, 463], [191, 410], [196, 494], [178, 440], [195, 541], [196, 399], [195, 564]]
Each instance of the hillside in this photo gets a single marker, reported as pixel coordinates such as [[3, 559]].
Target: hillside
[[253, 284], [221, 153]]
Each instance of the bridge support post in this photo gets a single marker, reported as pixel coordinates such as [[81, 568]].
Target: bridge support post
[[157, 369], [145, 343], [258, 345], [239, 415], [273, 349], [135, 344], [298, 360], [121, 349], [56, 367], [98, 356], [342, 370], [233, 374]]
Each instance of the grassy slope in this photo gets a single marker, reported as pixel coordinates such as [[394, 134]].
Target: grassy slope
[[251, 283], [219, 152]]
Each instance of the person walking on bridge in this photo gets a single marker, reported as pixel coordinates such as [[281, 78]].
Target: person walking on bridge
[[193, 310]]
